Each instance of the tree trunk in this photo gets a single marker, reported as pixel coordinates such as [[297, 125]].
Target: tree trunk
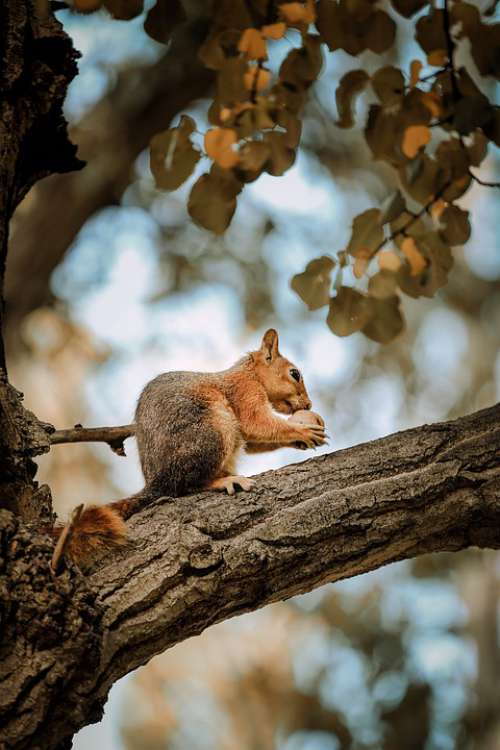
[[37, 62], [197, 560]]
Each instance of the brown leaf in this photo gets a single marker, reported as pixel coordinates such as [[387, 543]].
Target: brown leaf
[[389, 261], [124, 10], [437, 58], [163, 17], [274, 30], [350, 85], [253, 44], [349, 311], [415, 68], [313, 285], [219, 144], [172, 155], [414, 138], [415, 259], [298, 13], [212, 201], [254, 155], [256, 78], [386, 321]]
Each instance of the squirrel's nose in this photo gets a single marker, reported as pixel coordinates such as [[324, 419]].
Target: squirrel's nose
[[307, 405]]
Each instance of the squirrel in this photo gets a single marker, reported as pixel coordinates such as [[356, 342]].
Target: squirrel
[[190, 427]]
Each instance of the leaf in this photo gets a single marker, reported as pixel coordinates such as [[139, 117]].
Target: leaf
[[395, 207], [298, 13], [87, 6], [172, 155], [350, 85], [367, 233], [163, 17], [293, 127], [382, 133], [349, 311], [472, 112], [437, 58], [256, 78], [415, 69], [384, 283], [231, 88], [254, 155], [313, 285], [478, 148], [211, 52], [274, 30], [414, 138], [389, 85], [435, 275], [456, 222], [492, 128], [386, 321], [380, 32], [219, 144], [282, 157], [389, 261], [212, 201], [124, 10], [414, 257], [360, 266], [430, 34], [302, 66], [425, 178], [252, 43], [432, 101], [437, 209], [408, 8]]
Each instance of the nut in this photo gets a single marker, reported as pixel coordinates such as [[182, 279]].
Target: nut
[[307, 417]]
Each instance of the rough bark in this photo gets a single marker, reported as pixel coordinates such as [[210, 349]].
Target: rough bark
[[110, 137], [37, 61], [196, 560]]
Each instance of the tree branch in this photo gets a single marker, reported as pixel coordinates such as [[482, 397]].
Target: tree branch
[[197, 560], [113, 436]]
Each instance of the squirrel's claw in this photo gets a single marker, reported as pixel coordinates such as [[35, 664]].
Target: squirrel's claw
[[229, 484]]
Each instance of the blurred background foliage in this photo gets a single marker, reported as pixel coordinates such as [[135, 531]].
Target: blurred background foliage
[[110, 282]]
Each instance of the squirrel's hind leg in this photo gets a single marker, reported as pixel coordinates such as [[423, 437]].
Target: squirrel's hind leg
[[229, 484]]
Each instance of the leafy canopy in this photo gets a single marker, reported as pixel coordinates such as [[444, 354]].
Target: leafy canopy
[[430, 123]]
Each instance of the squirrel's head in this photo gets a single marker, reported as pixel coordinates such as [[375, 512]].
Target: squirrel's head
[[281, 378]]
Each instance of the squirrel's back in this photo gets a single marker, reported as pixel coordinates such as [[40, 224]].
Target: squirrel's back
[[180, 442]]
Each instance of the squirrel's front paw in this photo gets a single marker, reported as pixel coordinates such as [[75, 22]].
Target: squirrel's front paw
[[312, 435], [311, 428]]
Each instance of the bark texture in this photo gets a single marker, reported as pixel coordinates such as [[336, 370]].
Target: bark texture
[[196, 560], [37, 61]]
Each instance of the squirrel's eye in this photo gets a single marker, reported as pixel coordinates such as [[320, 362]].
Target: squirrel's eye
[[295, 374]]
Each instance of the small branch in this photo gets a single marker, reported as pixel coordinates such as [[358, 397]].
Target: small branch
[[425, 209], [113, 436], [483, 182]]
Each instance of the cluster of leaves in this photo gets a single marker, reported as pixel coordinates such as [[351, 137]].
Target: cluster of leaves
[[431, 124], [432, 129]]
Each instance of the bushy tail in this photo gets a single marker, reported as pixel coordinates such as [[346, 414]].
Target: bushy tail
[[93, 530]]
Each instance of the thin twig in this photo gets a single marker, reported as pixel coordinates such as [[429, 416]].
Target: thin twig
[[113, 436], [402, 230], [483, 182], [65, 537]]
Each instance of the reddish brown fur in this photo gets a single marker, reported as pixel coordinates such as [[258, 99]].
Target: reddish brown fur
[[99, 528]]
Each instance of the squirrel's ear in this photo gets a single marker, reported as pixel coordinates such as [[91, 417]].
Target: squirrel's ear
[[269, 346]]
